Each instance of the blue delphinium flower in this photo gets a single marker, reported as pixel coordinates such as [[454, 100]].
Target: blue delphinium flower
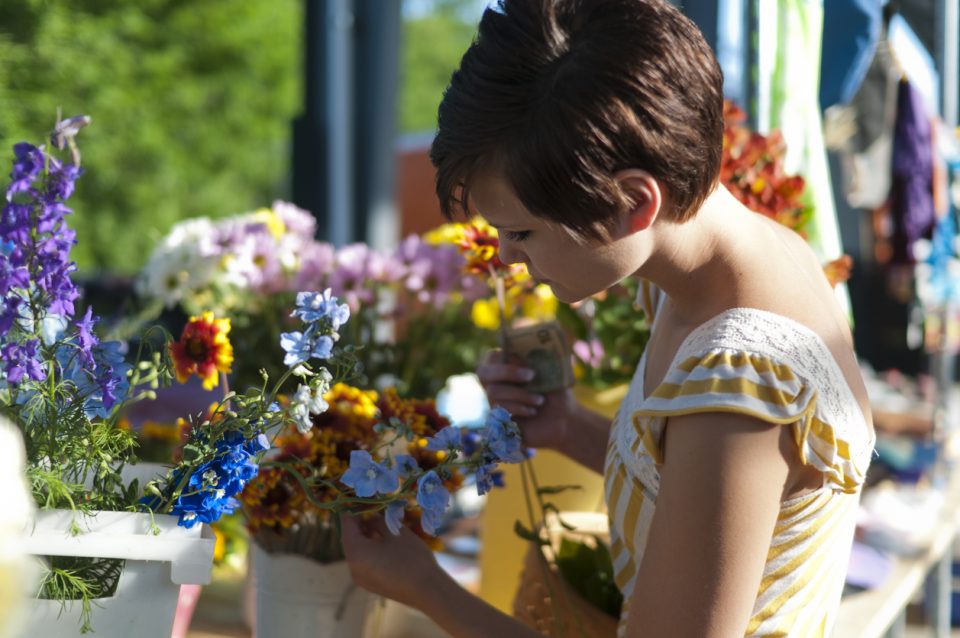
[[433, 499], [448, 439], [485, 478], [394, 517], [212, 486], [503, 436], [301, 347], [314, 307], [367, 477], [406, 465]]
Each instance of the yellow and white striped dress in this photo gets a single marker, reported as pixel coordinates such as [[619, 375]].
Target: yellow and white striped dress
[[775, 369]]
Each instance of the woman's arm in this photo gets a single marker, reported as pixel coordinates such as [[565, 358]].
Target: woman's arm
[[404, 569], [463, 615], [721, 485], [585, 439]]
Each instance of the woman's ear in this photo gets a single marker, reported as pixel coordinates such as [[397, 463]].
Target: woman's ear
[[643, 191]]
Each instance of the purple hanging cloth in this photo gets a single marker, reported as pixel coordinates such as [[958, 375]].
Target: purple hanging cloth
[[911, 192]]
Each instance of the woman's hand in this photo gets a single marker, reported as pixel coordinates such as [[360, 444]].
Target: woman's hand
[[544, 419], [401, 568]]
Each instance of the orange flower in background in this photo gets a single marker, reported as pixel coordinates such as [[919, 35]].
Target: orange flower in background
[[838, 270], [203, 349], [480, 246], [752, 169], [420, 414]]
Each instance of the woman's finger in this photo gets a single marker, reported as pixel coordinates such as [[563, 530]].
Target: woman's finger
[[517, 410], [503, 372], [500, 393]]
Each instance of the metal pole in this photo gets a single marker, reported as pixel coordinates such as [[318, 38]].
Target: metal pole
[[309, 139], [376, 63], [339, 70]]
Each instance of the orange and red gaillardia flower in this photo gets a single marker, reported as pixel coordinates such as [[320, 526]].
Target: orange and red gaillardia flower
[[203, 349]]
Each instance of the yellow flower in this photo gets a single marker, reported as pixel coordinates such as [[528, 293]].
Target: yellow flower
[[485, 314], [203, 349], [220, 547], [352, 401], [167, 432], [539, 304], [271, 220]]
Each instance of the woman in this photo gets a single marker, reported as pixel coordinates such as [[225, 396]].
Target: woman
[[590, 133]]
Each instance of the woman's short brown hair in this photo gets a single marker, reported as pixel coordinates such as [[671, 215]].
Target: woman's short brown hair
[[559, 95]]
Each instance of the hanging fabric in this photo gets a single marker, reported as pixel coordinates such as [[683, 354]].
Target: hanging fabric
[[788, 76], [851, 30], [911, 194]]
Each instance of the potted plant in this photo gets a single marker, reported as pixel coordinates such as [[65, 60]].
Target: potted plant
[[117, 539]]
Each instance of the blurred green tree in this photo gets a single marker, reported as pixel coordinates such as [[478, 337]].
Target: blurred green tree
[[435, 37], [191, 105], [191, 100]]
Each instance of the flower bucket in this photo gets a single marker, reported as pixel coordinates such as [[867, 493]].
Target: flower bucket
[[298, 598], [155, 568]]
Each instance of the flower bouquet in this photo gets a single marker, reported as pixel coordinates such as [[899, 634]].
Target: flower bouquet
[[107, 526], [361, 452]]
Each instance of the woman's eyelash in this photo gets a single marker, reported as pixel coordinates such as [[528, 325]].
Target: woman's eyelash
[[516, 235]]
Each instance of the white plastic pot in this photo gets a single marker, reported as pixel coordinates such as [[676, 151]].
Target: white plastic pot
[[156, 565], [300, 598]]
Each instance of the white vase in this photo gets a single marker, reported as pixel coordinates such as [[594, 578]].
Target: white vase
[[155, 567], [299, 598]]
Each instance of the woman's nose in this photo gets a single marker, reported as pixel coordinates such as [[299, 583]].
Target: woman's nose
[[509, 254]]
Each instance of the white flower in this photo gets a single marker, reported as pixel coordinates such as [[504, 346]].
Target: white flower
[[300, 414], [312, 398], [302, 371], [182, 263]]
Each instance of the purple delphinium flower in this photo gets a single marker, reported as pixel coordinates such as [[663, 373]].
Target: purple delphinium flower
[[86, 339], [27, 165], [112, 370], [12, 276], [22, 361], [32, 221], [9, 312], [368, 477]]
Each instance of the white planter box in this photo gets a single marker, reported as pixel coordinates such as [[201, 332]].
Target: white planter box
[[300, 598], [156, 566]]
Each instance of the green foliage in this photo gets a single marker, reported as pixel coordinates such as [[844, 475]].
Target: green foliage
[[588, 568], [432, 47], [620, 326], [191, 101], [81, 580]]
